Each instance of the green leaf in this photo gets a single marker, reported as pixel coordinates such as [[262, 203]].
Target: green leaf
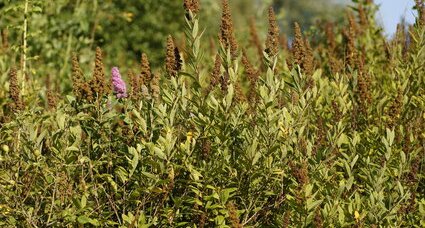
[[83, 201], [84, 220]]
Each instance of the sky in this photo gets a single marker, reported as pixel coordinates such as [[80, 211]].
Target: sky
[[391, 12]]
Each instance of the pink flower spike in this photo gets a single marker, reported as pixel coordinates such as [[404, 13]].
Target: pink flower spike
[[120, 88]]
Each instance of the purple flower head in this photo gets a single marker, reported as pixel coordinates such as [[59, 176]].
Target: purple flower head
[[119, 85]]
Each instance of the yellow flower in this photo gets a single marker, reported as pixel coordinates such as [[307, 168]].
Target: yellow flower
[[128, 16], [189, 136], [356, 215]]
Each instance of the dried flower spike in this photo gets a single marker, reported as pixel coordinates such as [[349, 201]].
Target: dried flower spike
[[77, 76], [135, 82], [191, 5], [420, 5], [308, 60], [351, 54], [226, 36], [15, 91], [99, 85], [146, 69], [215, 75], [172, 60], [79, 86], [233, 215], [120, 89], [154, 85], [272, 42], [298, 48], [52, 98], [252, 76]]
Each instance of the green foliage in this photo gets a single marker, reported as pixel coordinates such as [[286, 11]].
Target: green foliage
[[343, 146]]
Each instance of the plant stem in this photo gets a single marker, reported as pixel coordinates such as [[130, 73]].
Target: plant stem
[[24, 47]]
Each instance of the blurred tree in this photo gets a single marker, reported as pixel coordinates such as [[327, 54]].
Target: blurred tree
[[125, 29], [307, 12]]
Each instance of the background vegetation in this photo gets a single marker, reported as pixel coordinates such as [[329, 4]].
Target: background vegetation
[[225, 123]]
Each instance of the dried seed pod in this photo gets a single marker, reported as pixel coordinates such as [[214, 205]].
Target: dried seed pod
[[363, 86], [251, 73], [287, 219], [52, 98], [350, 36], [191, 5], [170, 60], [308, 59], [233, 215], [420, 6], [298, 48], [98, 83], [226, 36], [239, 95], [272, 41], [253, 76], [15, 91], [364, 22], [134, 83], [154, 85], [318, 220], [206, 148], [77, 77], [146, 70], [215, 75], [395, 109], [225, 82]]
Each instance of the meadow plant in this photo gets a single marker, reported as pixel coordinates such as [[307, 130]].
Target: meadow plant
[[325, 133]]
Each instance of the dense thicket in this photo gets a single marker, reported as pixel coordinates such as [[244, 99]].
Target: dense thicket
[[324, 131]]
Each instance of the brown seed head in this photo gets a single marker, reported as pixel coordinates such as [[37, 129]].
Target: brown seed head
[[52, 97], [364, 22], [215, 75], [206, 148], [191, 5], [135, 83], [77, 77], [363, 86], [146, 70], [287, 219], [239, 95], [252, 76], [251, 73], [420, 7], [99, 83], [226, 36], [298, 48], [15, 91], [272, 41], [171, 63], [233, 215], [395, 109], [318, 221], [350, 36], [308, 60], [154, 85], [225, 78]]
